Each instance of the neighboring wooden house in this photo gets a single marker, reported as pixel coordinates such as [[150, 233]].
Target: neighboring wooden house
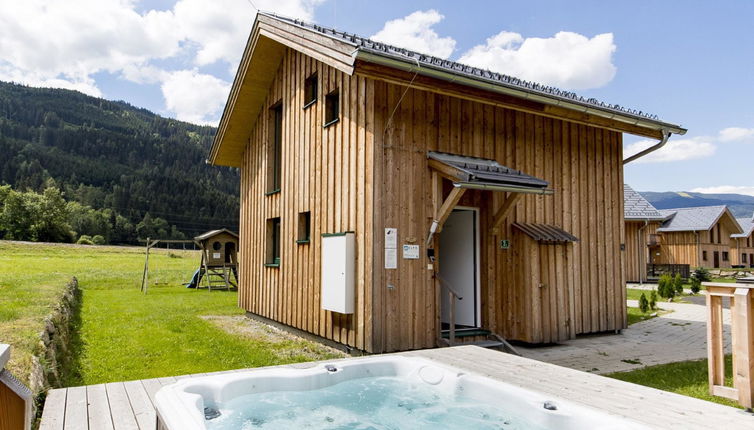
[[385, 171], [642, 240], [743, 244], [699, 237]]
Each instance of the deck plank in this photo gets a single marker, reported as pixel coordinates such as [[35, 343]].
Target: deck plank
[[141, 404], [53, 415], [76, 409], [151, 386], [121, 411], [99, 408]]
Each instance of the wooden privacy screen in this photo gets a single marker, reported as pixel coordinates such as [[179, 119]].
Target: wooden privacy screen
[[742, 333]]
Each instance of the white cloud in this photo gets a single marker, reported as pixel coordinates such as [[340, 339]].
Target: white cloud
[[415, 32], [733, 134], [675, 150], [65, 43], [567, 60], [195, 97], [726, 189]]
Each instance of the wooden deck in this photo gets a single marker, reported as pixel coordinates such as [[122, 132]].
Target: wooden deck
[[129, 405]]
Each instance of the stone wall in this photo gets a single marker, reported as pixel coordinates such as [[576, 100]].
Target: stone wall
[[54, 354]]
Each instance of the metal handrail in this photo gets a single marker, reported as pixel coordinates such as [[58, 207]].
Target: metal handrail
[[452, 294], [449, 286]]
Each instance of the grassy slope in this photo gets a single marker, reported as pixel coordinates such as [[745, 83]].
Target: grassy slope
[[125, 334], [688, 378]]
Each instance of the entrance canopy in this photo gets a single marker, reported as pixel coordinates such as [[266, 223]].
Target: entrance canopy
[[483, 173], [480, 174], [545, 233]]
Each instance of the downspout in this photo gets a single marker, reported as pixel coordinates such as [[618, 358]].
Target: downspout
[[698, 250], [665, 136], [642, 250]]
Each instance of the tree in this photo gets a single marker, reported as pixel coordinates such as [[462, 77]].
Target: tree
[[643, 303], [678, 284]]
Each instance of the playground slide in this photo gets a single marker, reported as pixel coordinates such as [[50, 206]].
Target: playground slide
[[195, 280]]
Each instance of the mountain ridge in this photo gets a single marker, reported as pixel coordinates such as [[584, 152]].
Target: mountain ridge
[[741, 205]]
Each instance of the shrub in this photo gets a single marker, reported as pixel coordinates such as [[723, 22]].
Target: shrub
[[678, 284], [85, 240], [666, 287], [98, 240], [643, 303], [701, 274], [696, 285], [653, 300]]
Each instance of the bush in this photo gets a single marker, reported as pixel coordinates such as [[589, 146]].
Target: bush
[[643, 303], [84, 240], [696, 285], [98, 240], [701, 274], [653, 300], [678, 284], [666, 287]]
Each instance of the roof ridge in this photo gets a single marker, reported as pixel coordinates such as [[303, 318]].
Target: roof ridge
[[430, 60]]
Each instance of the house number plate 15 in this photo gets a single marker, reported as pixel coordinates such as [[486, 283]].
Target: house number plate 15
[[505, 244]]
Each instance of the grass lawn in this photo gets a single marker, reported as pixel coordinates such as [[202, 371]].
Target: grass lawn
[[688, 378], [124, 334]]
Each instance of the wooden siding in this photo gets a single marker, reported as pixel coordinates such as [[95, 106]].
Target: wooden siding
[[583, 165], [325, 172], [637, 253], [688, 247], [743, 245]]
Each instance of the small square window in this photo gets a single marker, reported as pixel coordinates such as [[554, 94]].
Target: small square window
[[725, 256], [704, 255], [310, 90], [272, 258], [332, 107], [304, 227]]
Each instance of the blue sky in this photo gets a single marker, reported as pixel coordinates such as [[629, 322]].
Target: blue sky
[[689, 62]]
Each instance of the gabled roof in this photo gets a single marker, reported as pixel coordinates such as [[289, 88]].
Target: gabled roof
[[636, 207], [747, 225], [272, 34], [696, 219], [212, 233], [545, 232], [473, 170]]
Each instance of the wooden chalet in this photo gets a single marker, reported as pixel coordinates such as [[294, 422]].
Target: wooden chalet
[[642, 242], [699, 237], [388, 196], [742, 253]]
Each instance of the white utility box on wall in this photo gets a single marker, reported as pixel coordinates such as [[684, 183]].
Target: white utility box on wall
[[338, 262]]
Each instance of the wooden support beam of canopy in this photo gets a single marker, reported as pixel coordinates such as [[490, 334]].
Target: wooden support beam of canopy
[[505, 209]]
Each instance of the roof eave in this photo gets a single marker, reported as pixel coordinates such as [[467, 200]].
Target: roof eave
[[413, 66]]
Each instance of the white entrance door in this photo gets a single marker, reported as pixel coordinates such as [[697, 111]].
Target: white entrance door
[[458, 266]]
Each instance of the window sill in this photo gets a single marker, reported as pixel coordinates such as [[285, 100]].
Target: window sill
[[275, 265], [302, 241], [309, 104], [269, 193], [327, 124]]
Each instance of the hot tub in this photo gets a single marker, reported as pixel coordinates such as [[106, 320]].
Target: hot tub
[[388, 392]]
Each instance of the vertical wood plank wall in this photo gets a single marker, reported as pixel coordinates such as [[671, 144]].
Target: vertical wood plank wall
[[584, 167], [682, 248], [324, 171], [637, 252]]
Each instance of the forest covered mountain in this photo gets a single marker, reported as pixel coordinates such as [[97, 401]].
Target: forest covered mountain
[[109, 155], [741, 205]]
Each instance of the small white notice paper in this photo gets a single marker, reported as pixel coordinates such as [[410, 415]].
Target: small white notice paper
[[391, 238], [391, 258], [215, 255], [410, 252]]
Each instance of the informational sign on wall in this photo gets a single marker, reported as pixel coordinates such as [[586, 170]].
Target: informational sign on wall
[[391, 248], [391, 238], [216, 255], [391, 258], [410, 252]]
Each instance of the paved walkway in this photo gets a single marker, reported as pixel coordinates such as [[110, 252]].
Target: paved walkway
[[676, 336]]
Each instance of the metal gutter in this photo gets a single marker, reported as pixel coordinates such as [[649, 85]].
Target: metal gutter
[[665, 136], [398, 62], [507, 188]]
